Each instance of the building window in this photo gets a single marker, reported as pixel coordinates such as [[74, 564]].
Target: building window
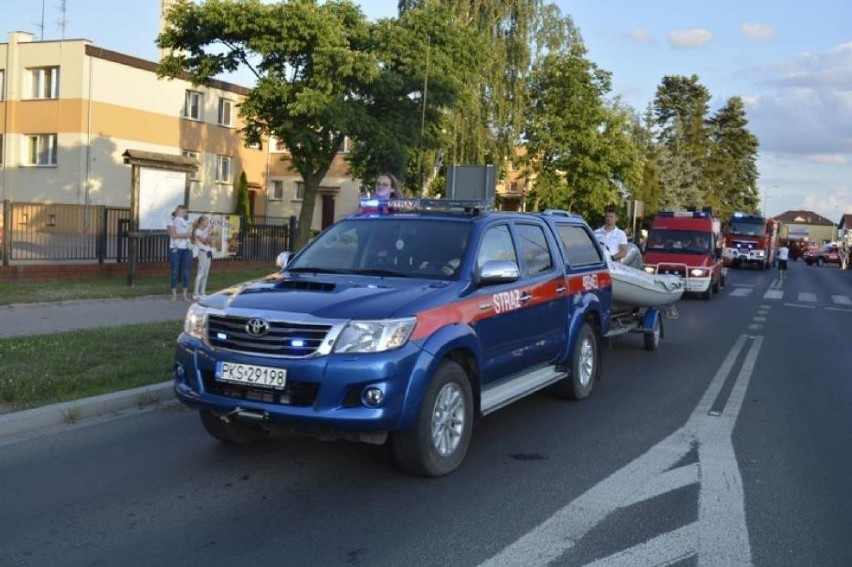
[[223, 169], [44, 82], [277, 146], [193, 175], [41, 149], [299, 192], [192, 105], [1, 150], [225, 108], [276, 192], [2, 84]]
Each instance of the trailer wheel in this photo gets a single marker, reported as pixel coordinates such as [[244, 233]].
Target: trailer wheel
[[652, 339], [584, 367]]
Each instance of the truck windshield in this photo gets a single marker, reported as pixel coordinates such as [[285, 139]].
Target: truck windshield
[[742, 228], [679, 241], [391, 247]]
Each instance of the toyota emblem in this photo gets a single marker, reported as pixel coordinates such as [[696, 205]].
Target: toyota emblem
[[257, 327]]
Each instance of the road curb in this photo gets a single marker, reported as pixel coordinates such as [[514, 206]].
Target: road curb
[[27, 421]]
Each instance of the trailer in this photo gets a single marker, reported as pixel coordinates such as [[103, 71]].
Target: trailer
[[647, 321]]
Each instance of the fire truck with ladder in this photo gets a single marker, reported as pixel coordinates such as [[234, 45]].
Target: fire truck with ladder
[[684, 243], [749, 241]]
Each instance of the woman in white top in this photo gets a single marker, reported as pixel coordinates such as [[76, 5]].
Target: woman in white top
[[180, 251], [201, 241]]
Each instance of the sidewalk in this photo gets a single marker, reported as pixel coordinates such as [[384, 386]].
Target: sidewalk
[[48, 318]]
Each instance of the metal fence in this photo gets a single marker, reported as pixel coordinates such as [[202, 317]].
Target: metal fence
[[46, 233]]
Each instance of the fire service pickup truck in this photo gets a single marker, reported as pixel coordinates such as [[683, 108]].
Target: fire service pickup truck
[[403, 324]]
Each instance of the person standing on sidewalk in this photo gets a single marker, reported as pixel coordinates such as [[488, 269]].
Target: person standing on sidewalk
[[203, 250], [180, 250]]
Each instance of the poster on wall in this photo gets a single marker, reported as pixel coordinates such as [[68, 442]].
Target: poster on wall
[[160, 192], [224, 233]]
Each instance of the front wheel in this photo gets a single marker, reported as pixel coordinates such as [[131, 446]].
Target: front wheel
[[584, 367], [229, 430], [438, 442]]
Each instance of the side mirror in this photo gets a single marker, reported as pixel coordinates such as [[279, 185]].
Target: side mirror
[[282, 259], [496, 272]]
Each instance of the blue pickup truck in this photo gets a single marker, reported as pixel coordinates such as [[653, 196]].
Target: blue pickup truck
[[402, 324]]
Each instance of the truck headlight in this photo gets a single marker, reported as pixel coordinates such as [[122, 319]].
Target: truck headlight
[[196, 321], [650, 269], [374, 336], [698, 272]]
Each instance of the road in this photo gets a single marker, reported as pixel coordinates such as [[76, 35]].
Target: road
[[728, 446]]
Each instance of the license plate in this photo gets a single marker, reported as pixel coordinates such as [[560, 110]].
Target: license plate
[[264, 376]]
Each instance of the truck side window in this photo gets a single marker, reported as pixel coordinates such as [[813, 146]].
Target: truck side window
[[535, 248], [496, 245], [580, 248]]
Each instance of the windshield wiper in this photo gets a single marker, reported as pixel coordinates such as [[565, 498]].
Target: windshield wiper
[[377, 272], [314, 270]]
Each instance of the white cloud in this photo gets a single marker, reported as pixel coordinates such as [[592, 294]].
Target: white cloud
[[757, 31], [805, 105], [640, 35], [688, 39], [828, 159]]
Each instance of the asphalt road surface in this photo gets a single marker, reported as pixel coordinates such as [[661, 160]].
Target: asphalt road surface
[[727, 446]]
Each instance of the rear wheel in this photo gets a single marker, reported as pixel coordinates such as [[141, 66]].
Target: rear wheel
[[438, 442], [229, 430], [584, 367]]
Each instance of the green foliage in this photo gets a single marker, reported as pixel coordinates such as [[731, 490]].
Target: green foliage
[[732, 165], [580, 147], [243, 206]]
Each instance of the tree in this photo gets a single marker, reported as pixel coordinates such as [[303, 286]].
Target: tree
[[733, 161], [681, 105], [243, 204], [579, 145]]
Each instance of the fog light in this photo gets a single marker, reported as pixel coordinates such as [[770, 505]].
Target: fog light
[[372, 397], [180, 371]]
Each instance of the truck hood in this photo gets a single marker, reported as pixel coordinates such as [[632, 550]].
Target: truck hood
[[330, 296]]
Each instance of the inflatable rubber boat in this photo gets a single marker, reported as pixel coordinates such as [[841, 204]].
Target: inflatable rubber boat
[[641, 289], [633, 286]]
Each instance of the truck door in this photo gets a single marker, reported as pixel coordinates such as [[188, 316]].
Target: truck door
[[521, 316]]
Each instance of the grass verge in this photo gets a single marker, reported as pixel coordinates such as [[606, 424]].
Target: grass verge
[[47, 369], [105, 288]]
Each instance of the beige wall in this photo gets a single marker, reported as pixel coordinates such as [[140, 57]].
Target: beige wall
[[107, 106]]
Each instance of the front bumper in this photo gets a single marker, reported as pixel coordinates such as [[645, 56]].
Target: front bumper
[[323, 392]]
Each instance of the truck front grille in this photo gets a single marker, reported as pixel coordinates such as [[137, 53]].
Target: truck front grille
[[294, 340]]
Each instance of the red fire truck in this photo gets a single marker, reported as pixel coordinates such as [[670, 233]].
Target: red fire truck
[[749, 241], [685, 244]]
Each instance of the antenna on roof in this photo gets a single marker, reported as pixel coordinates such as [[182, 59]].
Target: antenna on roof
[[62, 22]]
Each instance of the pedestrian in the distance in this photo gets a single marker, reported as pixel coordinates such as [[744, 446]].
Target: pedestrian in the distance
[[180, 250], [783, 256], [204, 252]]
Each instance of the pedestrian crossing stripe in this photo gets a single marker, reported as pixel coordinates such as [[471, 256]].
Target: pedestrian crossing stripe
[[806, 298]]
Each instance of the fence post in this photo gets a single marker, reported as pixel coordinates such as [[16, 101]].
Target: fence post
[[291, 231], [7, 233], [102, 237]]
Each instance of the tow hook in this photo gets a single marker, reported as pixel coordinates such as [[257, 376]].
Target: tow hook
[[241, 413]]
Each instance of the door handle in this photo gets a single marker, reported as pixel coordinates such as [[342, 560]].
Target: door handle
[[560, 289], [525, 297]]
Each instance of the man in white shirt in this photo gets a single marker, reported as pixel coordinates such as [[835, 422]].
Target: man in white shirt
[[613, 238], [783, 256]]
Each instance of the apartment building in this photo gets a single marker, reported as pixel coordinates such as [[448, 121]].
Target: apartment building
[[69, 109]]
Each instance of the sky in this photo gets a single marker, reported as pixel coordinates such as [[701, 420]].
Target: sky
[[790, 61]]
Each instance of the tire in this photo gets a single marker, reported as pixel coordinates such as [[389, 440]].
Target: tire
[[231, 431], [706, 295], [584, 367], [820, 262], [438, 442], [716, 286], [652, 339]]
